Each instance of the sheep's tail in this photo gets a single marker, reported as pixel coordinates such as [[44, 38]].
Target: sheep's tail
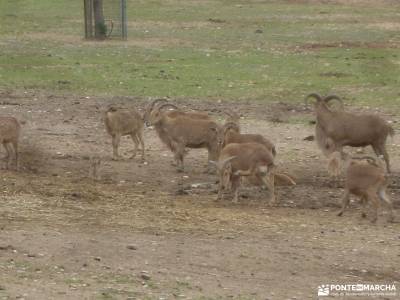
[[284, 179]]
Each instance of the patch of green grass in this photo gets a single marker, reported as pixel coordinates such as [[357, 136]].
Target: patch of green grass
[[259, 50]]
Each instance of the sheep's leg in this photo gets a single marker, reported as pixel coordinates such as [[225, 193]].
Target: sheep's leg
[[235, 188], [15, 146], [345, 202], [179, 154], [383, 196], [7, 157], [375, 203], [364, 202], [210, 168], [386, 158], [9, 154], [115, 142], [381, 150], [270, 184], [334, 166], [136, 142], [220, 189], [140, 138]]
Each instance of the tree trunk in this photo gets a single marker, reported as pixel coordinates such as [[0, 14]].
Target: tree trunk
[[99, 24]]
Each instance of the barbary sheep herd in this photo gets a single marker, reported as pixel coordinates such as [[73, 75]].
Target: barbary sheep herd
[[235, 155]]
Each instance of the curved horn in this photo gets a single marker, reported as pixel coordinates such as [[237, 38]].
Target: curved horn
[[312, 95], [231, 125], [167, 104], [334, 97], [154, 102], [112, 107]]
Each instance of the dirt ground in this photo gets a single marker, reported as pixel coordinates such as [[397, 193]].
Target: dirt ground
[[144, 231]]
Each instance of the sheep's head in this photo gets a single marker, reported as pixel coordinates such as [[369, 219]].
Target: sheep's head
[[225, 172], [157, 113], [149, 110], [228, 127], [267, 174], [321, 103]]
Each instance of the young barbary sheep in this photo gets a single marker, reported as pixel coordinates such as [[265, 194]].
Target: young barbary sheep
[[336, 129], [232, 134], [9, 135], [248, 159], [368, 181], [182, 131], [121, 122]]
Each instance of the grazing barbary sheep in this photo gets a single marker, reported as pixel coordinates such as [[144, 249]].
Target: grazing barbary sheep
[[248, 159], [121, 122], [232, 134], [182, 131], [9, 135], [337, 129], [368, 181]]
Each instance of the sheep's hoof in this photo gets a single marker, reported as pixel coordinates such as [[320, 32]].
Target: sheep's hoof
[[133, 156], [179, 170], [340, 214], [363, 215]]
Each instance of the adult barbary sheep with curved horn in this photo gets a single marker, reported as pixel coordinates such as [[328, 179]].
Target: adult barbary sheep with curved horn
[[337, 129]]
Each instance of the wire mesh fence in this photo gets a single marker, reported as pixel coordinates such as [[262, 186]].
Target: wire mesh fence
[[105, 19]]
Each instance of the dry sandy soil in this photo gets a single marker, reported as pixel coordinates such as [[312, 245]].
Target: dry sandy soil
[[145, 231]]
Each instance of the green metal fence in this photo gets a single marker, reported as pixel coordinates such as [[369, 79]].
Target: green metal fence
[[105, 19]]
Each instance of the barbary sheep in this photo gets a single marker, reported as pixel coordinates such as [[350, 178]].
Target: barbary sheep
[[337, 129], [121, 122]]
